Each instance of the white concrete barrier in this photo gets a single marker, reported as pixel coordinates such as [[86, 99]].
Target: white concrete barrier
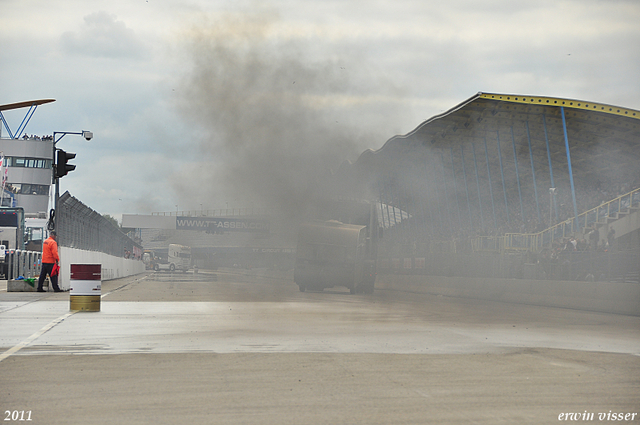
[[606, 297], [112, 267]]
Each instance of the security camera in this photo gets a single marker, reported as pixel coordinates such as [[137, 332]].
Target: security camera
[[87, 135]]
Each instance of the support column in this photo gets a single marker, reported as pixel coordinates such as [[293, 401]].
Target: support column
[[515, 161], [553, 185], [533, 174], [573, 190]]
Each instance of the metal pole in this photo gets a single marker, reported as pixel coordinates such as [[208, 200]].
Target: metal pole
[[573, 191], [55, 221], [551, 190], [546, 138], [54, 180], [515, 161], [533, 174], [7, 127]]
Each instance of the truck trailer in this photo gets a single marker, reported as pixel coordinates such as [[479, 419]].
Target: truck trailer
[[331, 253]]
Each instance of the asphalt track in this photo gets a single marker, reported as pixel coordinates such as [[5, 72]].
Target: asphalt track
[[245, 347]]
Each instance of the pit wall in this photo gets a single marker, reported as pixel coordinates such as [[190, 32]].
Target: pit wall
[[605, 297], [112, 267]]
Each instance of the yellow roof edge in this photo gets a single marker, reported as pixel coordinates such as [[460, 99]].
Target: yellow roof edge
[[567, 103]]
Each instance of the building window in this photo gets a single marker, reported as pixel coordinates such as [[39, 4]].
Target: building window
[[27, 189], [13, 161]]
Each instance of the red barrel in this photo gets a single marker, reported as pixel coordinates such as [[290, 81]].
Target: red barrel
[[85, 287]]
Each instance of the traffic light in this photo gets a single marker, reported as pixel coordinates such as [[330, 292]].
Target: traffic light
[[62, 166]]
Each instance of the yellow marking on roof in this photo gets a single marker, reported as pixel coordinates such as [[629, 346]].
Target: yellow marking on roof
[[567, 103]]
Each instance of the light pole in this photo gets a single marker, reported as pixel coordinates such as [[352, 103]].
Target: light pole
[[56, 174]]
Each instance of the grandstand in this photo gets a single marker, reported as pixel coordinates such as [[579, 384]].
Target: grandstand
[[511, 174], [504, 182]]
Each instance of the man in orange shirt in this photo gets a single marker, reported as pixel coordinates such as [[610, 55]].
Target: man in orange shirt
[[49, 259]]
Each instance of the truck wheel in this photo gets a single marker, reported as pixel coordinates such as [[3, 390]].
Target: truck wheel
[[172, 268], [302, 288], [156, 268]]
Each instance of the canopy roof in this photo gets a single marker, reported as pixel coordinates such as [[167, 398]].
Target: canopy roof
[[25, 104], [498, 155], [31, 104], [610, 133]]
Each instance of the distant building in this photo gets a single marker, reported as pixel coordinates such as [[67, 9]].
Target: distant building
[[26, 170], [29, 172]]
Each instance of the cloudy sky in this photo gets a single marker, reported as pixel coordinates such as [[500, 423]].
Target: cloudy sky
[[208, 104]]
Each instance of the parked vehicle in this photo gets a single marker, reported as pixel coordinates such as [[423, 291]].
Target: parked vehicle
[[12, 228], [334, 253], [176, 257]]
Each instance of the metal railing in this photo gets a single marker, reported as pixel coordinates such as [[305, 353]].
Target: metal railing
[[537, 241], [22, 263], [80, 227], [488, 244]]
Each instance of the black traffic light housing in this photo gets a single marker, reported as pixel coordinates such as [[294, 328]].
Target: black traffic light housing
[[62, 166]]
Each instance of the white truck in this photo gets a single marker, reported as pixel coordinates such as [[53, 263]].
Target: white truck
[[12, 226], [177, 257]]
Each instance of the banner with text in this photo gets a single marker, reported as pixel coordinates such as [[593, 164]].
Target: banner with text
[[221, 224]]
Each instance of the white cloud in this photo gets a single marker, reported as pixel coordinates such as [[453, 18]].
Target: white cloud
[[103, 35]]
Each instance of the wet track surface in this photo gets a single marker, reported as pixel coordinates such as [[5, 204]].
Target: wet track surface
[[384, 345]]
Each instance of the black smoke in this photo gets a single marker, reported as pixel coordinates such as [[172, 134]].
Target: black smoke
[[275, 131]]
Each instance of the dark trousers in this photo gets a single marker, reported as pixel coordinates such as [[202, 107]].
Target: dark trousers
[[46, 270]]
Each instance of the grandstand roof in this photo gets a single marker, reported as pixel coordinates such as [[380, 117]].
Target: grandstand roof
[[496, 155], [592, 128], [25, 104]]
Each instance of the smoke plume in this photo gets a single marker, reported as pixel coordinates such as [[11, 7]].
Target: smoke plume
[[274, 133]]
